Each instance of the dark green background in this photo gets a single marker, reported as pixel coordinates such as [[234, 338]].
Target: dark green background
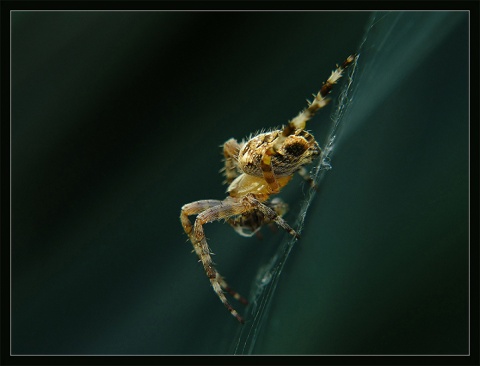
[[117, 119]]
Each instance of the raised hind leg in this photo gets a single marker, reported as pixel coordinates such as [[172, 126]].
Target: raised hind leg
[[227, 208], [208, 211]]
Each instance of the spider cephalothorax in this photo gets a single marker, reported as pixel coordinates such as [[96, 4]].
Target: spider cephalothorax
[[254, 170]]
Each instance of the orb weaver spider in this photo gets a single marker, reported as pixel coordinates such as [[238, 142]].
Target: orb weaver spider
[[256, 169]]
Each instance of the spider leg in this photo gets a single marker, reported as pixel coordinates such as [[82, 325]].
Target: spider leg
[[232, 292], [267, 170], [230, 153], [227, 208], [194, 208], [269, 214], [320, 100]]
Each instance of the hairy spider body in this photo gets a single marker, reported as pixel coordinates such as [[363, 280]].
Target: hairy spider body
[[254, 170], [297, 150]]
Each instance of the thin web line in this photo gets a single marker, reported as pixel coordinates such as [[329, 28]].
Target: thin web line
[[267, 278]]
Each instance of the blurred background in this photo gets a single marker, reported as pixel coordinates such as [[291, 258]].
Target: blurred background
[[117, 121]]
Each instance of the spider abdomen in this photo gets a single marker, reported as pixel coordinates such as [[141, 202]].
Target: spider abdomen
[[297, 150]]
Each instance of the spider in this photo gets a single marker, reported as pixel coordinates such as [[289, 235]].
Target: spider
[[254, 170]]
